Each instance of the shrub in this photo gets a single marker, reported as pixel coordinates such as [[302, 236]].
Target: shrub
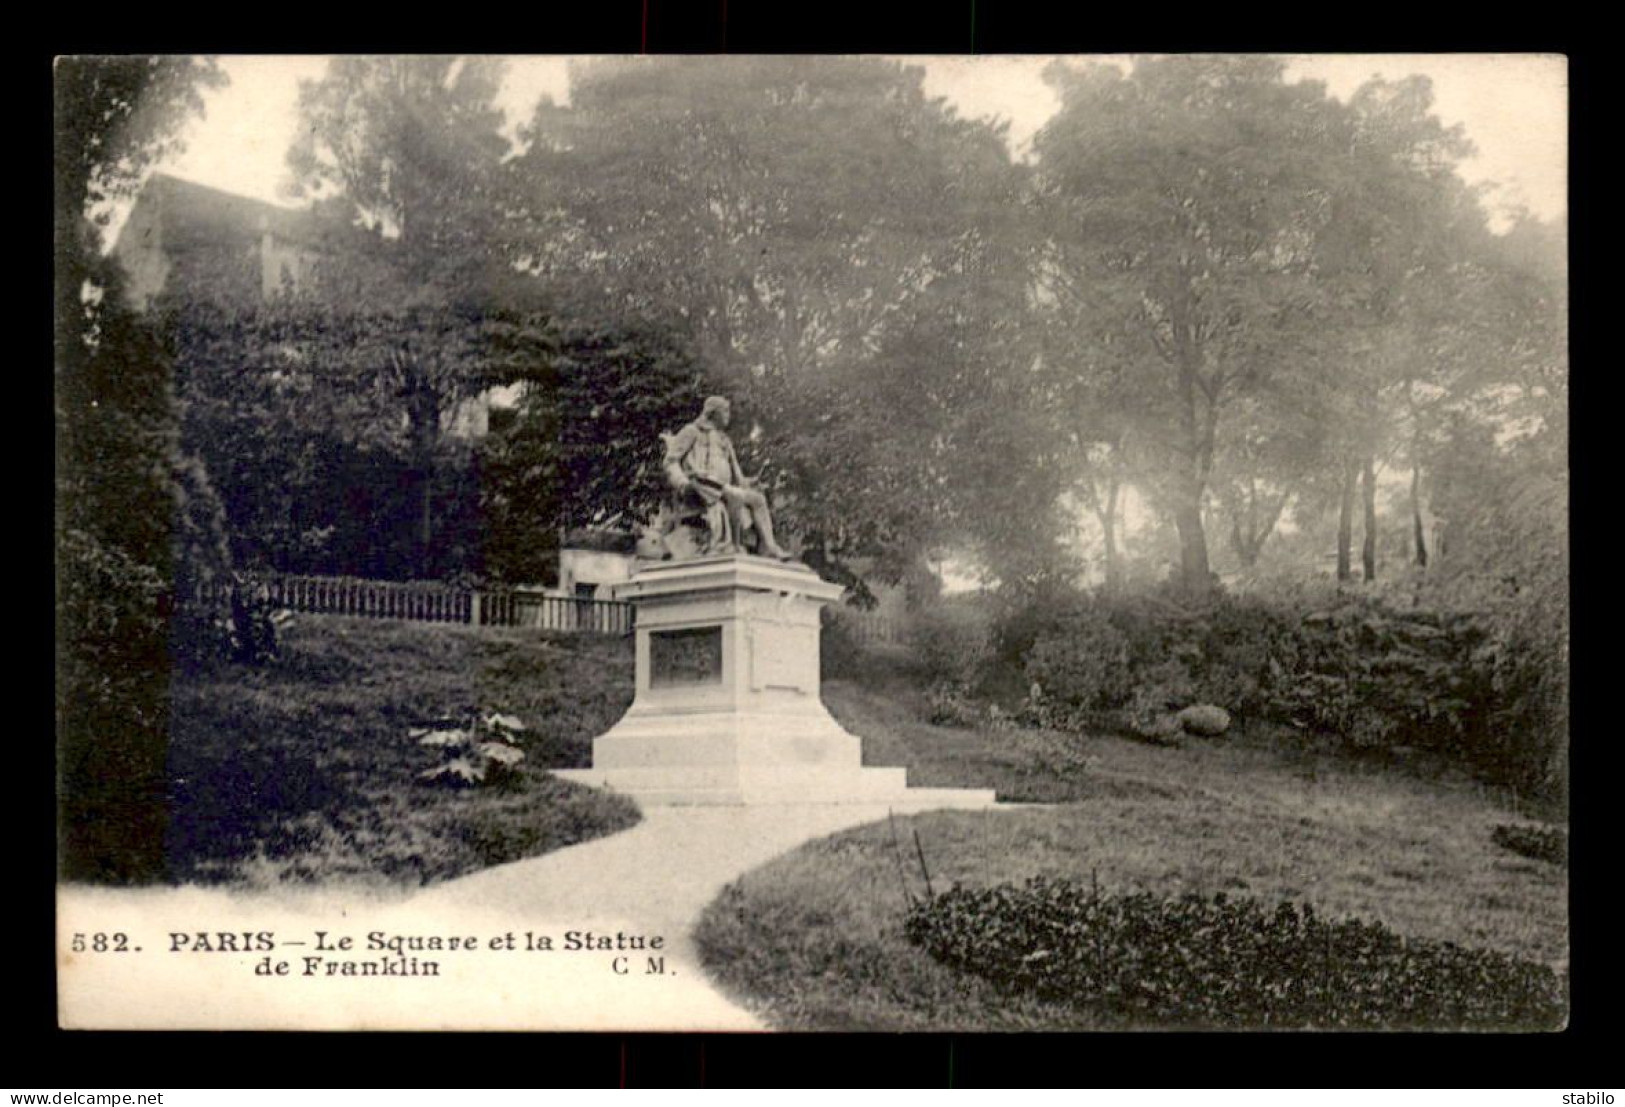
[[1475, 674], [112, 711], [952, 645], [256, 627], [1241, 637], [484, 753], [1160, 690], [1080, 662], [1196, 962], [951, 705], [840, 654], [1379, 677], [1508, 568], [1540, 843], [241, 626]]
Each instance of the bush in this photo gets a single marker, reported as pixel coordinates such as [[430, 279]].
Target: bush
[[1380, 677], [951, 643], [1508, 569], [242, 625], [1081, 662], [840, 654], [112, 711], [1540, 843], [952, 649], [1373, 671], [1241, 639], [1160, 691], [1222, 963]]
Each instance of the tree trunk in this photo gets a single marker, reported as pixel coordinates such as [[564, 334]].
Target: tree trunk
[[1244, 542], [423, 414], [1108, 524], [1345, 522], [1261, 523], [1195, 574], [1368, 488], [1246, 549], [426, 525]]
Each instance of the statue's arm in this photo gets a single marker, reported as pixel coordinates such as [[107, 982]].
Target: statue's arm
[[734, 467], [677, 447]]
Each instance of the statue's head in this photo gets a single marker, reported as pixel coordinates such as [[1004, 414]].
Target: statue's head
[[716, 411]]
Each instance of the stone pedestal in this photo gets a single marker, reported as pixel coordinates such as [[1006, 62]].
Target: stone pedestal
[[727, 707]]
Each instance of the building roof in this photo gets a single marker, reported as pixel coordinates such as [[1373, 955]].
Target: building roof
[[192, 214]]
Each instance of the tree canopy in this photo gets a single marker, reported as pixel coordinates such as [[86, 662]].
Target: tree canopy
[[799, 220], [1211, 292]]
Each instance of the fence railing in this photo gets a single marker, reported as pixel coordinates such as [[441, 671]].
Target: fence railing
[[429, 602], [866, 626], [523, 607]]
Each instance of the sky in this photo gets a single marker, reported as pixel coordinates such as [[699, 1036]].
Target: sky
[[1514, 108]]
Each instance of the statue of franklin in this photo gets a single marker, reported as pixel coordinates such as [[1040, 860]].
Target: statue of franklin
[[702, 468]]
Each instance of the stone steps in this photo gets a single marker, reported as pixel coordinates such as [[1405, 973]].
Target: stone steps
[[735, 785]]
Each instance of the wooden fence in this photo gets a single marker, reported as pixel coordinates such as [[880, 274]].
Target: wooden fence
[[867, 627], [430, 602]]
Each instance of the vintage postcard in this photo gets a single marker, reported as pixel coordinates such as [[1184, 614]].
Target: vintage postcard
[[731, 543]]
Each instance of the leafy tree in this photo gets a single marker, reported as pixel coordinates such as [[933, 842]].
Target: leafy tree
[[412, 145], [795, 218], [1185, 198], [114, 118], [1403, 232], [584, 449], [411, 148]]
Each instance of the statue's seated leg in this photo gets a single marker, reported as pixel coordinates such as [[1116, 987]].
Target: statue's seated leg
[[720, 524], [747, 537], [748, 508]]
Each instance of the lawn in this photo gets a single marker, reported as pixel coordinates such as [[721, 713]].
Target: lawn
[[814, 940], [305, 770]]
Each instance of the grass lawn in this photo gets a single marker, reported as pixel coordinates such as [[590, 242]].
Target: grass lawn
[[814, 940], [304, 771]]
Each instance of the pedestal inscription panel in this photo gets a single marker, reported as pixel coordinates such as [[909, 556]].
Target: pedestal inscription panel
[[681, 658]]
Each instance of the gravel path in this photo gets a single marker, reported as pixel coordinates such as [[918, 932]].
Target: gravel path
[[627, 890]]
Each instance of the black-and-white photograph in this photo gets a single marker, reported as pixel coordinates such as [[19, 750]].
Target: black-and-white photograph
[[812, 543]]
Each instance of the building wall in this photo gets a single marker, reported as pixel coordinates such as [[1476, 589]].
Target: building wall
[[140, 253], [593, 568], [282, 261]]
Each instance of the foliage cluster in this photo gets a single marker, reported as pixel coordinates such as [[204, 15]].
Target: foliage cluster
[[1209, 963], [305, 418], [486, 752], [840, 653], [1509, 574], [1374, 672], [952, 647], [1541, 843]]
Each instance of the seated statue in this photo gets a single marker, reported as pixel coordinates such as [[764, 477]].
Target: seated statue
[[712, 500]]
